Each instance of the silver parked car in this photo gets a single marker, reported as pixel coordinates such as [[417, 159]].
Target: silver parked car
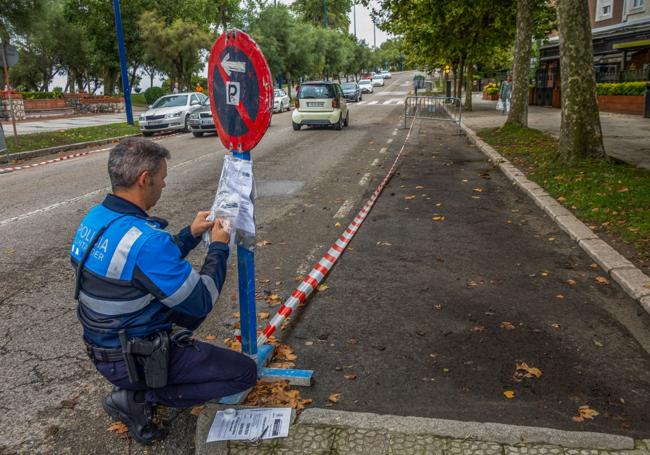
[[170, 113], [281, 101], [201, 120]]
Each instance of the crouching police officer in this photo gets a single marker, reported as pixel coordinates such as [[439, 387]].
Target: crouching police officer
[[133, 284]]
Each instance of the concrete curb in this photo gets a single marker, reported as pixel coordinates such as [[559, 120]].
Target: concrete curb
[[487, 432], [633, 281], [60, 148]]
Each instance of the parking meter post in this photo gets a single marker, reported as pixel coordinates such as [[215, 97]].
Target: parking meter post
[[448, 88], [246, 279]]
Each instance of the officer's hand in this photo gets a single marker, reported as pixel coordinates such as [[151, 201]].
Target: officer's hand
[[200, 224], [218, 233]]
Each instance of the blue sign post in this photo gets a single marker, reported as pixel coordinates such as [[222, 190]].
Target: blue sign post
[[123, 62], [240, 86]]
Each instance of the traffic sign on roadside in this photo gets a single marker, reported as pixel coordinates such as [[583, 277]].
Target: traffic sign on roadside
[[10, 54], [241, 90]]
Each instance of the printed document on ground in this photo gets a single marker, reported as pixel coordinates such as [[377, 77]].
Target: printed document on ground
[[251, 424]]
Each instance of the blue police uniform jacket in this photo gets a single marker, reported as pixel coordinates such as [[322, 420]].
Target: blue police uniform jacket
[[136, 278]]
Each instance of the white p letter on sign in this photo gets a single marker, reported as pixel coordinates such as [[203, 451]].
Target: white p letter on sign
[[232, 93]]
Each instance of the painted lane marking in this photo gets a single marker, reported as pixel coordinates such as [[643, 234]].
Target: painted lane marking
[[365, 179], [389, 140], [383, 150], [344, 210], [375, 162], [88, 195]]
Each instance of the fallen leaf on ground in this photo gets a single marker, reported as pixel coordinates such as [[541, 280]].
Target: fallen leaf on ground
[[276, 394], [551, 239], [438, 307], [623, 189], [599, 343], [350, 377], [384, 243], [545, 273], [409, 198], [509, 394], [337, 224], [117, 427], [594, 265], [233, 344], [419, 187], [235, 314], [284, 352], [571, 282], [507, 325], [602, 280], [438, 218], [555, 326], [322, 287], [263, 243], [478, 190], [273, 299], [559, 296], [334, 398], [585, 413], [210, 338], [196, 410], [477, 328], [522, 370], [263, 315]]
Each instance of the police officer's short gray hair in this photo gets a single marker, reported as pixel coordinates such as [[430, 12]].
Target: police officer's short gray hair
[[131, 157]]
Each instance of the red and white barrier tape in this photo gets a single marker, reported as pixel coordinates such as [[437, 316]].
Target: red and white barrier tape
[[6, 170], [322, 268]]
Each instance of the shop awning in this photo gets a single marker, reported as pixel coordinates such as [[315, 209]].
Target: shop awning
[[631, 44]]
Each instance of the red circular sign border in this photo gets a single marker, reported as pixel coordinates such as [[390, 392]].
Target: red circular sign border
[[246, 44]]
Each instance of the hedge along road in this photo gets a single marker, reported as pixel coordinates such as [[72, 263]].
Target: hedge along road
[[51, 393]]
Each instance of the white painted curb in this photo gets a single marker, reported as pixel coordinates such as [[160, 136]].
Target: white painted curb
[[633, 281]]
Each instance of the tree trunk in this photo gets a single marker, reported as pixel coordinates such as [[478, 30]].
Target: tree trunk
[[521, 65], [468, 90], [461, 77], [454, 70], [580, 132]]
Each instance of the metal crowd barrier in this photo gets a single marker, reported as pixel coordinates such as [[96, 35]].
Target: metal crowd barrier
[[441, 108]]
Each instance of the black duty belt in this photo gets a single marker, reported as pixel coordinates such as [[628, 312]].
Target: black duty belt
[[104, 354]]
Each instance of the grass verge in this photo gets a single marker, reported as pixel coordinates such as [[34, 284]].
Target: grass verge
[[607, 196], [27, 142]]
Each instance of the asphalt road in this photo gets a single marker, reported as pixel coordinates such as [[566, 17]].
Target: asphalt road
[[50, 393], [414, 308]]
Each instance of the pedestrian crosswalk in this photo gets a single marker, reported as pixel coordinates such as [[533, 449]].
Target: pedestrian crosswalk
[[389, 102]]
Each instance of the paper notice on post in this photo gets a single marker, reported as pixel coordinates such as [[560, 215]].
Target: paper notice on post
[[233, 199], [251, 424]]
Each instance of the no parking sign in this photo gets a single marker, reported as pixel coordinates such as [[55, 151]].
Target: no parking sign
[[241, 90]]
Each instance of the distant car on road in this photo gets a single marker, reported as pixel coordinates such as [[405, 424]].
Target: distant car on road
[[170, 113], [320, 103], [386, 74], [352, 91], [377, 81], [281, 101], [366, 86], [201, 120]]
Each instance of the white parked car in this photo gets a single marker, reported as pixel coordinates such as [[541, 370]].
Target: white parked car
[[386, 74], [170, 113], [366, 86], [281, 101], [377, 81], [320, 103]]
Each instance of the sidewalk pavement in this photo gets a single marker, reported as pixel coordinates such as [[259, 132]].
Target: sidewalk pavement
[[454, 278], [626, 137], [64, 123], [330, 432]]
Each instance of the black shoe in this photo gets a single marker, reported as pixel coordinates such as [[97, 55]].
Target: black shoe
[[121, 405]]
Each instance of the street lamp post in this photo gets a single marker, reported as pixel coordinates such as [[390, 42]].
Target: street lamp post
[[354, 18], [325, 13], [123, 64]]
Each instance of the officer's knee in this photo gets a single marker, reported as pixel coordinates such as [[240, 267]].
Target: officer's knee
[[248, 376]]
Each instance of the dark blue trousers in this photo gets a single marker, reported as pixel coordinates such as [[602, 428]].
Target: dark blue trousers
[[197, 373]]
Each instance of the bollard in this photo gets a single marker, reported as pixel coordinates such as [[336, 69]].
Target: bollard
[[647, 101]]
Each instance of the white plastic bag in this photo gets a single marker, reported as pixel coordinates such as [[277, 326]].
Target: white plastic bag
[[500, 105]]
